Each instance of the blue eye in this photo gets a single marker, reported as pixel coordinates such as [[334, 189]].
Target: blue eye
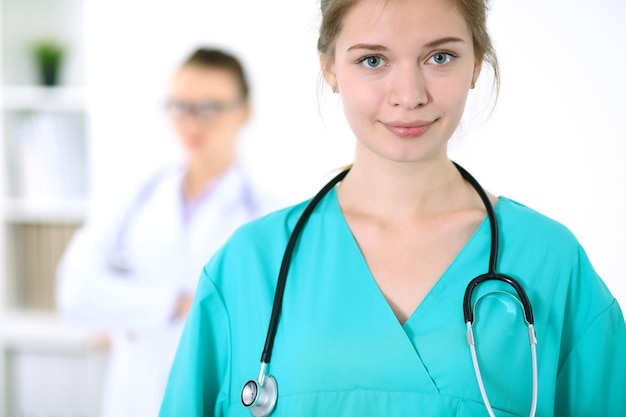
[[372, 61], [441, 58]]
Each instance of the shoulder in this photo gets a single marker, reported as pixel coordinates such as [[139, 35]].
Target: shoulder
[[243, 272], [146, 185], [256, 246], [552, 264], [261, 199], [546, 251], [521, 223], [541, 245], [107, 208], [271, 229], [168, 175]]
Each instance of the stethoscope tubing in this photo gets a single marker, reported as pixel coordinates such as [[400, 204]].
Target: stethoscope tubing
[[263, 404], [491, 214], [266, 356], [492, 273]]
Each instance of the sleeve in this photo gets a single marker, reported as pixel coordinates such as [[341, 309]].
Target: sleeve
[[90, 292], [591, 379], [200, 367]]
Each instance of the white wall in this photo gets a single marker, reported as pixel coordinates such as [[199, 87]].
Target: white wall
[[555, 140]]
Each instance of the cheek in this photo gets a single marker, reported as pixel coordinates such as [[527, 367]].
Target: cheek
[[221, 132], [227, 126], [359, 102], [452, 96], [184, 128], [358, 112]]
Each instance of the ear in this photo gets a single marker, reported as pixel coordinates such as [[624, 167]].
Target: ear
[[478, 65], [246, 112], [328, 71]]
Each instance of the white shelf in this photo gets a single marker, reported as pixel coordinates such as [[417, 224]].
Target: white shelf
[[46, 331], [47, 366], [38, 98], [46, 211]]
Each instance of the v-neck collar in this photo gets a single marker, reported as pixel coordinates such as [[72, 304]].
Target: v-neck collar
[[441, 285]]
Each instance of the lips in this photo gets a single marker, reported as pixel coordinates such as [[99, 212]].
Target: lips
[[410, 129]]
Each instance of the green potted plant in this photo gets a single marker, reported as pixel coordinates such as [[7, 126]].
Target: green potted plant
[[49, 54]]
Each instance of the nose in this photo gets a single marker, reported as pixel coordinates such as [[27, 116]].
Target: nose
[[189, 125], [408, 87], [188, 121]]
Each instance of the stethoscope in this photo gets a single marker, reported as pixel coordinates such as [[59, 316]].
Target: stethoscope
[[118, 258], [260, 395]]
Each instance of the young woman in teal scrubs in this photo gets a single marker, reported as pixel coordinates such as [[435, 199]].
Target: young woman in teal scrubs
[[372, 318]]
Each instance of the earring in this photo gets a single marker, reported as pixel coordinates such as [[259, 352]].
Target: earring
[[335, 89], [473, 85]]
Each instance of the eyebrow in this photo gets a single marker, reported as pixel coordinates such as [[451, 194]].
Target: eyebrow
[[368, 46], [442, 41], [432, 44]]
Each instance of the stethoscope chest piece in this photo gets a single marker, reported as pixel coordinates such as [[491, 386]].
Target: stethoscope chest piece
[[260, 396]]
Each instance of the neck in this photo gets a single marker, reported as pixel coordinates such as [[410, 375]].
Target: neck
[[392, 190], [200, 175]]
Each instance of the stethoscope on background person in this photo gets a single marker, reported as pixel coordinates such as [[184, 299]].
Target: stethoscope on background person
[[119, 257], [260, 395]]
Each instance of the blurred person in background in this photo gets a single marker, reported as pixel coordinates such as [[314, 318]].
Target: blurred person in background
[[135, 275]]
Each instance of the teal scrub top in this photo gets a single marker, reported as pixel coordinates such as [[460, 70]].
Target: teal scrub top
[[340, 350]]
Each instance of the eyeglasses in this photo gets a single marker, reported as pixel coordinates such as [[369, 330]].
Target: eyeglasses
[[206, 110]]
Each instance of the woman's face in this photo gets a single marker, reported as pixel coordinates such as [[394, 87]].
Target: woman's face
[[403, 69], [206, 111]]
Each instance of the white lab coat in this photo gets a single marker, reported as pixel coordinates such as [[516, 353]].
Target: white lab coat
[[165, 257]]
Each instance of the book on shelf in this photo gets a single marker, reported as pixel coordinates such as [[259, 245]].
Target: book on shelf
[[47, 155], [37, 250]]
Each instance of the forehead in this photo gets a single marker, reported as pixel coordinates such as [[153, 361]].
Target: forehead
[[197, 82], [389, 22]]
